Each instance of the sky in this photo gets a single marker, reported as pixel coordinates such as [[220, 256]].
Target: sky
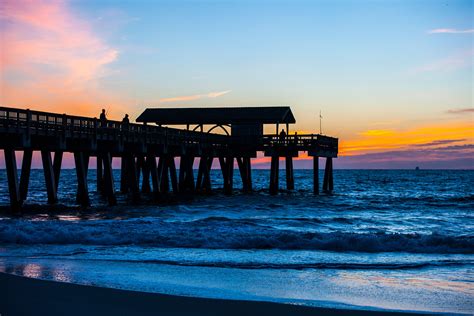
[[393, 79]]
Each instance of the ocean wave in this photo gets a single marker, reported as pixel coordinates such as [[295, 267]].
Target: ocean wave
[[222, 234], [303, 266]]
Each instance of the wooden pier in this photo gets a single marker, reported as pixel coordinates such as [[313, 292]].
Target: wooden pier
[[148, 152]]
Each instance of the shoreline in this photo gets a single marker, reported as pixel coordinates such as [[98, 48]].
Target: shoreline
[[27, 296]]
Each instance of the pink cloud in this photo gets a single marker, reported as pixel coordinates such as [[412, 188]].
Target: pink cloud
[[451, 63], [460, 111], [210, 95], [450, 31], [54, 55]]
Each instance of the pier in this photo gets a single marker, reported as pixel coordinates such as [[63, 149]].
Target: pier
[[147, 150]]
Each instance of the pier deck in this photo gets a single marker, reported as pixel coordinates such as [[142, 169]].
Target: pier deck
[[146, 151]]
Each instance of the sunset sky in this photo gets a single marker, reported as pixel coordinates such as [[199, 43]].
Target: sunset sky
[[393, 79]]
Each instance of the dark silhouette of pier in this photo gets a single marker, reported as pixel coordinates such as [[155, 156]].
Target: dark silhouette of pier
[[148, 151]]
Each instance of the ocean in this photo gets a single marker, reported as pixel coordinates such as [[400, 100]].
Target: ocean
[[385, 239]]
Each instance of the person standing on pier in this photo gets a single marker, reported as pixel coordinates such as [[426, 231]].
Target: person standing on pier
[[103, 119], [125, 123], [282, 136]]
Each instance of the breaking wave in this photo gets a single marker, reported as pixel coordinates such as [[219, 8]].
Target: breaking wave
[[222, 233]]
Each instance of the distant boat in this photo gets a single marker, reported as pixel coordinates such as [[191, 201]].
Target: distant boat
[[417, 168]]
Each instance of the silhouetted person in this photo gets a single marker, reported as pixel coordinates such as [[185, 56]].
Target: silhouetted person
[[103, 119], [296, 138], [282, 135], [125, 122]]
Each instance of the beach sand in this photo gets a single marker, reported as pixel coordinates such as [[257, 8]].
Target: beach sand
[[26, 296]]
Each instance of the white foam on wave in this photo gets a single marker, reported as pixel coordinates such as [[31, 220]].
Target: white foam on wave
[[221, 234]]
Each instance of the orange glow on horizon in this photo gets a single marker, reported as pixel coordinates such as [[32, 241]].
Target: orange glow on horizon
[[384, 140]]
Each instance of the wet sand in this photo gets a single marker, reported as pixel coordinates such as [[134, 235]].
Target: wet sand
[[26, 296]]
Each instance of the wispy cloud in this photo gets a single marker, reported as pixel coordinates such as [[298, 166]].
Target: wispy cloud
[[210, 95], [450, 31], [53, 54], [460, 111], [440, 142], [454, 62]]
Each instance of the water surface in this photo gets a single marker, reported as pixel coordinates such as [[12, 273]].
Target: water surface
[[385, 239]]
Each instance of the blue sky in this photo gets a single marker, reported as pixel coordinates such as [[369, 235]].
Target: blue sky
[[374, 68]]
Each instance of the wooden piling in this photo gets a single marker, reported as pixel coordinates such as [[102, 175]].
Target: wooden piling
[[82, 196], [190, 174], [316, 175], [206, 181], [182, 173], [12, 175], [326, 176], [132, 181], [109, 179], [123, 174], [200, 175], [227, 167], [87, 157], [244, 173], [49, 176], [100, 175], [173, 177], [163, 174], [330, 179], [274, 170], [151, 162], [290, 182], [140, 162], [25, 173], [248, 164], [57, 161], [145, 177], [230, 171], [186, 174]]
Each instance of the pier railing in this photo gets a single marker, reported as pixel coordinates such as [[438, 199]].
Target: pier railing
[[44, 123]]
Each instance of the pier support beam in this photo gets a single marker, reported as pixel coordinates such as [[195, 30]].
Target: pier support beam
[[146, 175], [109, 179], [331, 178], [100, 175], [290, 182], [25, 173], [123, 174], [82, 197], [328, 184], [274, 169], [132, 177], [244, 168], [206, 184], [49, 176], [248, 164], [227, 167], [201, 169], [203, 182], [316, 175], [173, 177], [167, 172], [163, 175], [57, 161], [186, 173], [12, 175], [155, 178]]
